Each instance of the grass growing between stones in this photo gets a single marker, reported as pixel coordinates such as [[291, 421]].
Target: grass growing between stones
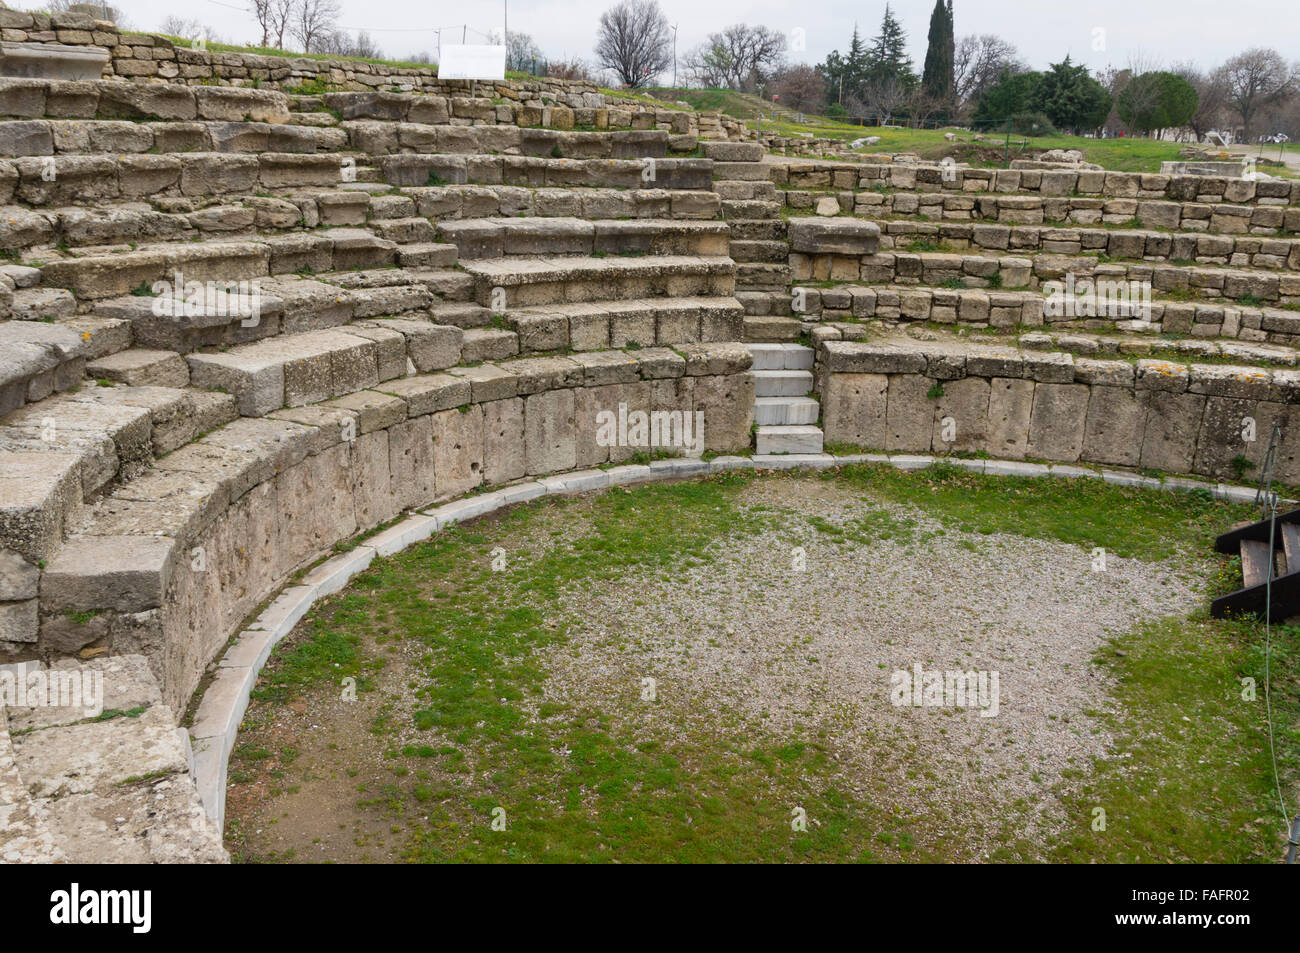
[[589, 782]]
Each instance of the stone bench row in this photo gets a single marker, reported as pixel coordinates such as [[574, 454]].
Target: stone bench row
[[1009, 309], [1232, 250], [23, 98], [440, 169], [76, 180], [177, 557], [46, 137], [61, 453], [404, 217], [1058, 184], [115, 272], [1032, 210], [1013, 272], [497, 237], [1014, 404]]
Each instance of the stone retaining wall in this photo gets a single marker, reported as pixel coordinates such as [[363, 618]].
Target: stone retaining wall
[[232, 502], [1175, 418], [1060, 184], [143, 57]]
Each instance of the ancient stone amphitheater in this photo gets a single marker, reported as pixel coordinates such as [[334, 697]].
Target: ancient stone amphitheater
[[426, 291]]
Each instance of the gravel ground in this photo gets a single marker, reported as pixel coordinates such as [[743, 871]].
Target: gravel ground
[[749, 643], [746, 651]]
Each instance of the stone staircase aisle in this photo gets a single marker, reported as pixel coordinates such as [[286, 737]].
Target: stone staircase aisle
[[785, 416]]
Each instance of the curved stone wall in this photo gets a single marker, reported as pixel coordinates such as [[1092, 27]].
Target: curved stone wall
[[1205, 419], [223, 522]]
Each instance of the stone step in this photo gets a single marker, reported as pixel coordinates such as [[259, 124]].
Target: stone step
[[488, 344], [141, 367], [283, 304], [37, 359], [778, 357], [750, 209], [25, 835], [499, 237], [289, 213], [753, 274], [743, 191], [89, 179], [740, 172], [733, 151], [502, 283], [317, 132], [1244, 251], [1072, 185], [68, 447], [782, 383], [436, 169], [747, 250], [42, 304], [771, 328], [762, 229], [598, 325], [121, 272], [787, 439], [297, 369], [489, 200], [785, 411], [1201, 283]]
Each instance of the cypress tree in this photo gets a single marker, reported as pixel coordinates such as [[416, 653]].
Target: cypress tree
[[937, 78]]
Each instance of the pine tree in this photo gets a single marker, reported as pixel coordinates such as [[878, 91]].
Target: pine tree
[[888, 59], [937, 76]]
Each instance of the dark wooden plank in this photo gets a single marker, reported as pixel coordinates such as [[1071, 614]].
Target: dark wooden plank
[[1256, 561], [1229, 541], [1291, 544], [1286, 600]]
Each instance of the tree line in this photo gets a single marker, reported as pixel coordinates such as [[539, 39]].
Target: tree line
[[978, 78]]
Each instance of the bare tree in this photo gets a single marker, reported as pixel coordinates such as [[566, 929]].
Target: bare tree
[[1211, 98], [569, 69], [978, 62], [261, 10], [1253, 80], [281, 16], [800, 87], [740, 57], [311, 21], [188, 29], [342, 43], [634, 41], [521, 52], [882, 97]]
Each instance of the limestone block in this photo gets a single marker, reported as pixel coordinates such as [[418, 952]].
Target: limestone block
[[550, 436], [457, 450], [1173, 421], [503, 441], [1115, 425], [1010, 404], [853, 409], [961, 415]]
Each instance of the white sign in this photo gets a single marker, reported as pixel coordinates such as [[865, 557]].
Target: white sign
[[472, 62]]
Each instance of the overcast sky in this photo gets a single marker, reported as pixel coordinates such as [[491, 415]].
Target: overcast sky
[[1163, 31]]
